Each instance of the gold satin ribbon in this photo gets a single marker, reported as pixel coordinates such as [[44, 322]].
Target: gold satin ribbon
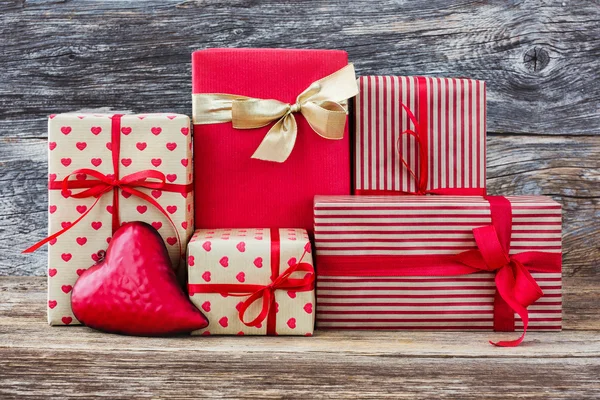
[[323, 104]]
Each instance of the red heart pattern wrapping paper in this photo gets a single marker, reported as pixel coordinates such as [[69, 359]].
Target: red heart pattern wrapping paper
[[147, 141], [243, 256]]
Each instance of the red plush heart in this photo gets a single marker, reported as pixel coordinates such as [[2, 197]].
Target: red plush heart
[[134, 289]]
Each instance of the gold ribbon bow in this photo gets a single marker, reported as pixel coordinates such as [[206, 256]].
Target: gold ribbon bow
[[323, 104]]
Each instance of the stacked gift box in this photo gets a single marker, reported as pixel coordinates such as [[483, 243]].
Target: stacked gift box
[[405, 236]]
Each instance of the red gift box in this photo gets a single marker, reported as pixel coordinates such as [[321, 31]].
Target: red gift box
[[232, 188], [438, 262]]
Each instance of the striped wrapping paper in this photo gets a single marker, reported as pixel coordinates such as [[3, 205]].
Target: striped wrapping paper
[[452, 116], [425, 225]]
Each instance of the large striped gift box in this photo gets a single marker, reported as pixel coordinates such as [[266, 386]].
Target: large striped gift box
[[451, 126], [397, 262]]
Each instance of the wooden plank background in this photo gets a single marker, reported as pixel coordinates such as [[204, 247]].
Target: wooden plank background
[[539, 58]]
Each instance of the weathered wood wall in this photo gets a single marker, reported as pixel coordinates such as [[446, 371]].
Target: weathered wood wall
[[540, 59]]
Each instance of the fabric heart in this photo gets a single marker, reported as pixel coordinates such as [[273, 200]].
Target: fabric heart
[[65, 224], [171, 209], [292, 261], [96, 225], [65, 161], [184, 162], [206, 276], [66, 288], [52, 145], [171, 177], [81, 177], [224, 261], [171, 117], [126, 162], [109, 209], [206, 245], [96, 161], [81, 145], [95, 130], [81, 209], [52, 303], [308, 307], [51, 177], [258, 262], [66, 193], [52, 209], [80, 271], [65, 130], [156, 193], [307, 247], [241, 277], [191, 261], [67, 320], [126, 130], [156, 130], [134, 290], [184, 224], [241, 246], [109, 146], [52, 272], [141, 145], [66, 257], [206, 306], [224, 322], [291, 294], [156, 162], [142, 209], [81, 241], [185, 131], [171, 241], [171, 146]]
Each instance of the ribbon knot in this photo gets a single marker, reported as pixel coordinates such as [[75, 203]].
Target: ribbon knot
[[323, 105], [294, 108]]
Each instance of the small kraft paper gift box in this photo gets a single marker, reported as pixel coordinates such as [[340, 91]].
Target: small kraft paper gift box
[[270, 127], [252, 281], [419, 135], [104, 170], [438, 263]]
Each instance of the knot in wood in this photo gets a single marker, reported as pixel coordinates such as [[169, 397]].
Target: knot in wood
[[536, 59]]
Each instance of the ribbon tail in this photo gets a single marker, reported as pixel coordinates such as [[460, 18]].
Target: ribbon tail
[[505, 283], [278, 143], [57, 234]]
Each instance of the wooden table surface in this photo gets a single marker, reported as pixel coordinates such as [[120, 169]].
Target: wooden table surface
[[541, 61], [39, 361]]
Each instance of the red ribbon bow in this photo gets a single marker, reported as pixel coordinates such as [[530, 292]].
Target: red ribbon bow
[[105, 183], [516, 288], [264, 292]]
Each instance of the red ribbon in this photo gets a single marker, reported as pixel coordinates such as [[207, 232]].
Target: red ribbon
[[266, 293], [420, 134], [516, 288], [105, 183]]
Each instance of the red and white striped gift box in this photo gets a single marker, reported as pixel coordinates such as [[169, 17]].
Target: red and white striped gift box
[[451, 115], [364, 243]]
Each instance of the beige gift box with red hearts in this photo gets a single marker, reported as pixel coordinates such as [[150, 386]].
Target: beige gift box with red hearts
[[226, 267], [159, 142]]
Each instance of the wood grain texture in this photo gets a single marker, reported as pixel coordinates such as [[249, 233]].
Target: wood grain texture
[[540, 58], [40, 361]]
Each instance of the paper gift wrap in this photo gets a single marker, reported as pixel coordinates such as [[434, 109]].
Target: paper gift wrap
[[253, 281], [420, 134], [232, 188], [149, 155], [438, 262]]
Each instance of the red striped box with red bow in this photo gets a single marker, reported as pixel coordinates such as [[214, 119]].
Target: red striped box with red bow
[[420, 134], [437, 262]]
